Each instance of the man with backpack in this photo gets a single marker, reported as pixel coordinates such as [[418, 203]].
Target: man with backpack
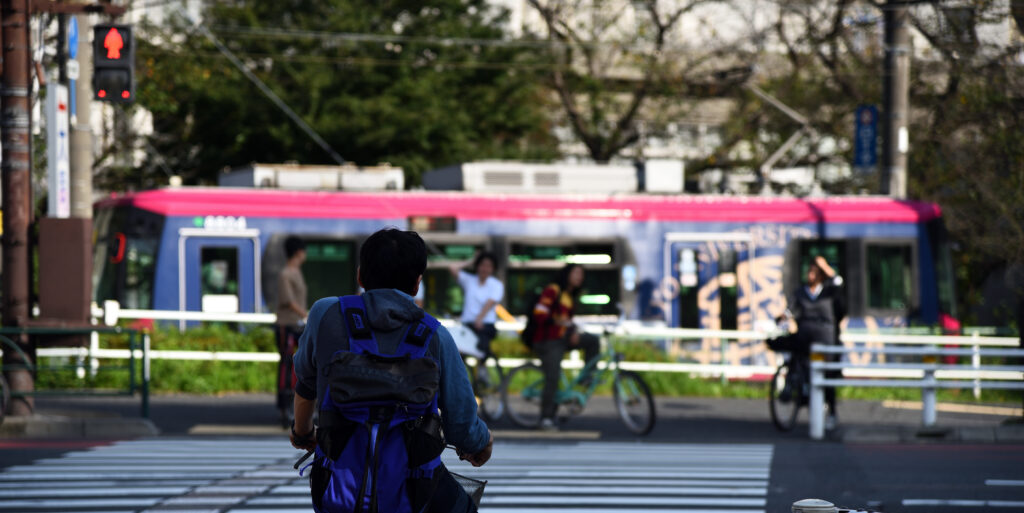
[[378, 368]]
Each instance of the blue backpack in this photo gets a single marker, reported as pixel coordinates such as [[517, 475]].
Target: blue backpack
[[379, 438]]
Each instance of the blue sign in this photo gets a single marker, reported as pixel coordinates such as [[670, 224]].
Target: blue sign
[[73, 38], [865, 137]]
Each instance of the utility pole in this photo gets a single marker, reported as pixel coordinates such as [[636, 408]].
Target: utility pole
[[81, 131], [15, 174], [896, 91], [15, 121]]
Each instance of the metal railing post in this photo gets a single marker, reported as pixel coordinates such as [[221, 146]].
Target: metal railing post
[[928, 398], [94, 347], [724, 350], [145, 375], [976, 362], [816, 410]]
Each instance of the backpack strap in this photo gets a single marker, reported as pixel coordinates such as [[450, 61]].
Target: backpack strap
[[360, 336], [414, 343]]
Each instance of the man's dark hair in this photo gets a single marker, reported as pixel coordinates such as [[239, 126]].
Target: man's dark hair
[[392, 259], [486, 255], [293, 245]]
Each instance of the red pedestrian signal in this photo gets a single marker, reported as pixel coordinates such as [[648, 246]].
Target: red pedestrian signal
[[113, 78], [113, 42]]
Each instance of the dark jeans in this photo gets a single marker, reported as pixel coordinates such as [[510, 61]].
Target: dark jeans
[[550, 353], [799, 349], [450, 496], [484, 336], [287, 343]]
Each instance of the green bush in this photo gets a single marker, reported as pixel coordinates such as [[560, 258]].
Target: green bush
[[207, 377]]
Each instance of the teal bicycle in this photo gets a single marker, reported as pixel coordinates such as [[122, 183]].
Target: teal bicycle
[[522, 388]]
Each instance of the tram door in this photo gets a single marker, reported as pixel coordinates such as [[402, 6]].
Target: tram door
[[221, 274], [706, 279]]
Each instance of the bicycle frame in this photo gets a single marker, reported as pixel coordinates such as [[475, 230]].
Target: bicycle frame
[[573, 390]]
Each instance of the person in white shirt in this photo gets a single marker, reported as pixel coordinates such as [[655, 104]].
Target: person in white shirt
[[481, 293]]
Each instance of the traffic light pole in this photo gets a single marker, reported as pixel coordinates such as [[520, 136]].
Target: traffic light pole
[[15, 175], [15, 125], [81, 131]]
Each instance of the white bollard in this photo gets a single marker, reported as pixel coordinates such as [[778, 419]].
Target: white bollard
[[816, 410], [813, 506], [928, 399]]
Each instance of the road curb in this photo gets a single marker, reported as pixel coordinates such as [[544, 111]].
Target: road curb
[[908, 434], [56, 426]]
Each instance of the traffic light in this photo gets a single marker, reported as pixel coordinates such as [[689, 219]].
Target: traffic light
[[113, 57]]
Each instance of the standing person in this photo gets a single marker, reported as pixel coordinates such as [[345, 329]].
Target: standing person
[[557, 334], [481, 292], [291, 314], [818, 307], [391, 410]]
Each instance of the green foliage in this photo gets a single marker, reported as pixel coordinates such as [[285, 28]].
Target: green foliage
[[169, 376], [401, 94]]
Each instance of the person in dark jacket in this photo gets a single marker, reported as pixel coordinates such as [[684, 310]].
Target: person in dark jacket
[[818, 307], [391, 269], [557, 334]]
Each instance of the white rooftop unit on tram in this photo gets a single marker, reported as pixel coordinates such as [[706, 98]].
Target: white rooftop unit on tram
[[511, 176], [305, 177]]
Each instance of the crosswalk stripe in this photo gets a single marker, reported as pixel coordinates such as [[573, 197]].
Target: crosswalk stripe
[[254, 475]]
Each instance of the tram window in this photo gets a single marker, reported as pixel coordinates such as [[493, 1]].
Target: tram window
[[890, 277], [140, 265], [689, 312], [441, 295], [727, 287], [834, 252], [104, 277], [600, 290], [578, 253], [219, 271], [451, 252], [329, 269]]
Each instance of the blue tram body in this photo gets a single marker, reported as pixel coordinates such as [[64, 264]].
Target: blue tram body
[[684, 261]]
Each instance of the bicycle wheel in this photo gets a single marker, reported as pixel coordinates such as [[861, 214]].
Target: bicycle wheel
[[634, 402], [487, 389], [784, 404], [522, 393]]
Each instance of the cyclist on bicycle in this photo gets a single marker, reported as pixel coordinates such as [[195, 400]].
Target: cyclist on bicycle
[[557, 334], [817, 308], [481, 293]]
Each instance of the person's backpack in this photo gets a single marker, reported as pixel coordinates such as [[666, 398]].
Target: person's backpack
[[379, 437], [530, 330]]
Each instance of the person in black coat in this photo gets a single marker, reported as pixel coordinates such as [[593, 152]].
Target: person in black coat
[[818, 307]]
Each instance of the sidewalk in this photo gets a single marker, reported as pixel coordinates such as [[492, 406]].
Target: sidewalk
[[689, 419]]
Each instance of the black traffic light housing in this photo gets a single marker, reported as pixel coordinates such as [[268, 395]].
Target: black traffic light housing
[[113, 57]]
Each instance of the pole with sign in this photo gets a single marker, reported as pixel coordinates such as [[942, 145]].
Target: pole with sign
[[865, 139], [57, 151], [72, 65]]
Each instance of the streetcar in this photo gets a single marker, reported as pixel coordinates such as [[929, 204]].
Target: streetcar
[[682, 260]]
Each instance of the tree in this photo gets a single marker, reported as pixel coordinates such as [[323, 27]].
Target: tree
[[615, 63], [966, 124], [415, 84]]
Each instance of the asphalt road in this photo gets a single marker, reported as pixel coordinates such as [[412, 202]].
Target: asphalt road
[[923, 476]]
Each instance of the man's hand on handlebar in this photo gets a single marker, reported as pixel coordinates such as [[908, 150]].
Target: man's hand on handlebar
[[480, 457]]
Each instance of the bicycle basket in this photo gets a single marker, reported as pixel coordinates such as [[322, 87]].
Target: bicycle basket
[[474, 487]]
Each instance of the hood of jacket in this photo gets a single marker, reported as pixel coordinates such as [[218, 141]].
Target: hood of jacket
[[390, 309]]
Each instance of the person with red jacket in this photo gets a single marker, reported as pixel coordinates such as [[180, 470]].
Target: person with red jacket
[[556, 333]]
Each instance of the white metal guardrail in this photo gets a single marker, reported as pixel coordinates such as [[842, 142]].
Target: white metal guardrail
[[111, 313], [927, 375]]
